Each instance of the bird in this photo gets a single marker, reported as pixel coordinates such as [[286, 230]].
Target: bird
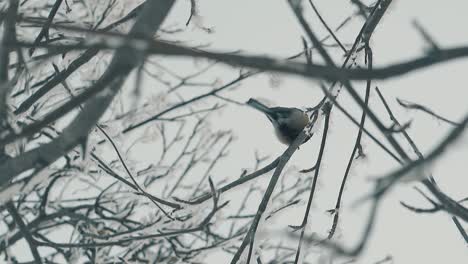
[[288, 122]]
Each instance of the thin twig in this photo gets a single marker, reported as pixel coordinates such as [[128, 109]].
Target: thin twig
[[24, 230]]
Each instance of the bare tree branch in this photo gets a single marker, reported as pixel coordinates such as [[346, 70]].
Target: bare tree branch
[[123, 62]]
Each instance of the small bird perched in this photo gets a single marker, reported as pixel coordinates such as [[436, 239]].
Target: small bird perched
[[288, 122]]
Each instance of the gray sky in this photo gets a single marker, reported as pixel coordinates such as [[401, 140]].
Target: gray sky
[[268, 27]]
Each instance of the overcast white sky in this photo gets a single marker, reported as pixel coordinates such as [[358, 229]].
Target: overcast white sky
[[268, 27]]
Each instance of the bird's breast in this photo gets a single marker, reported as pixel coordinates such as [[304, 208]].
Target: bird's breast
[[286, 134]]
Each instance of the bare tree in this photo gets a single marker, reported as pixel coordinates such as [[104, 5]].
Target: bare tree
[[74, 107]]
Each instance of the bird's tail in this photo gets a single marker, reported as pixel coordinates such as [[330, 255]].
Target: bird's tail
[[259, 106]]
